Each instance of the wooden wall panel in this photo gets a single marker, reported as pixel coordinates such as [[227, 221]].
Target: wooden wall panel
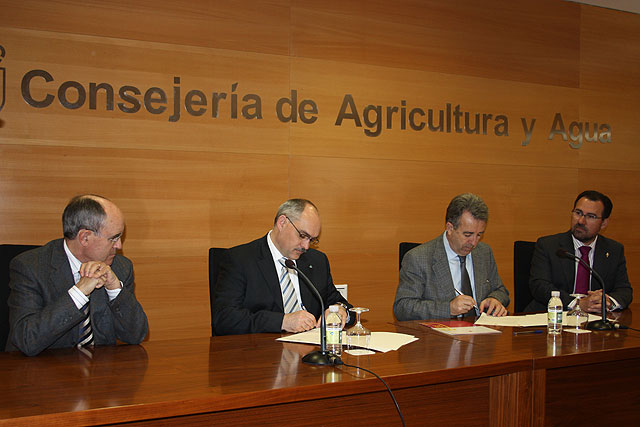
[[143, 65], [533, 41], [610, 45], [244, 25], [328, 83], [208, 181]]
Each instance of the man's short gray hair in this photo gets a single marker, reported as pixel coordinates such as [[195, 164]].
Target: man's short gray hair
[[83, 212], [466, 202], [293, 208]]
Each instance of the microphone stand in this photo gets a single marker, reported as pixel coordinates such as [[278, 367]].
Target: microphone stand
[[595, 325], [321, 357]]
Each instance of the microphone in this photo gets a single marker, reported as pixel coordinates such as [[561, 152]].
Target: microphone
[[322, 357], [594, 325]]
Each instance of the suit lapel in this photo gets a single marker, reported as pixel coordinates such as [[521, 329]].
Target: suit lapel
[[441, 270], [60, 276], [568, 265], [600, 262], [269, 273], [480, 263], [305, 267]]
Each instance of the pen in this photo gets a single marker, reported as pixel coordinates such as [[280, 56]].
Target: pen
[[460, 293], [535, 331]]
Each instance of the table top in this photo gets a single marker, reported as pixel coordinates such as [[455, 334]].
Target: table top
[[177, 377]]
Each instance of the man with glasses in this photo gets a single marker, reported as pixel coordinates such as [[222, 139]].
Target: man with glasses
[[76, 291], [551, 272], [255, 292]]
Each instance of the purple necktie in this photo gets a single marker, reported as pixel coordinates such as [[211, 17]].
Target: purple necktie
[[582, 277]]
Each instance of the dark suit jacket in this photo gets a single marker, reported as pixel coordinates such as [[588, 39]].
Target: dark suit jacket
[[43, 315], [247, 296], [426, 287], [549, 272]]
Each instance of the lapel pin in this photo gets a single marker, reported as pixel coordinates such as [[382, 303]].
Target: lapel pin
[[607, 255], [311, 266]]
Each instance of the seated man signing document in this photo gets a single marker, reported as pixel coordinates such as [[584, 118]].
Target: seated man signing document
[[447, 276], [255, 292]]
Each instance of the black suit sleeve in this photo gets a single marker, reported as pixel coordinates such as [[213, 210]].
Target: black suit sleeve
[[242, 304]]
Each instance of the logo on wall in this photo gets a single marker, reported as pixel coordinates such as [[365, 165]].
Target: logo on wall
[[3, 77]]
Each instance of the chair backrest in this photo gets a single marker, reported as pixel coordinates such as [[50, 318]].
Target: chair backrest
[[522, 255], [215, 254], [404, 248], [7, 253]]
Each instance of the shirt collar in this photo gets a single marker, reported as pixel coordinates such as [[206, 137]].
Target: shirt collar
[[275, 253], [451, 255], [74, 262]]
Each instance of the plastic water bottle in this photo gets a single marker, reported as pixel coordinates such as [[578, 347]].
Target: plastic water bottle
[[334, 331], [554, 314]]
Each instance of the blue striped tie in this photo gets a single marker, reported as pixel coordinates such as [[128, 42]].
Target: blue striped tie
[[289, 296], [86, 333]]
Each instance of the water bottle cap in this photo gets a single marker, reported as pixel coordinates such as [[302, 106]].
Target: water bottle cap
[[555, 293], [334, 308]]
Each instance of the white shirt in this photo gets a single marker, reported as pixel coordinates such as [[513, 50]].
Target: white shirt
[[277, 257]]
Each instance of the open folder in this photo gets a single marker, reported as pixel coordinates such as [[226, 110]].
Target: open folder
[[380, 341]]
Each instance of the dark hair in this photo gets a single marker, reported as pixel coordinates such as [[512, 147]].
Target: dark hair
[[293, 208], [83, 212], [596, 196], [466, 202]]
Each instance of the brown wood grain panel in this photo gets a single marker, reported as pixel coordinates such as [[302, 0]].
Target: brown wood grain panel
[[252, 26], [610, 45], [511, 398], [532, 41], [143, 66], [487, 103], [572, 387]]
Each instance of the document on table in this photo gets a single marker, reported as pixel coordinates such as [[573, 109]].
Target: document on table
[[526, 320], [445, 328], [380, 341]]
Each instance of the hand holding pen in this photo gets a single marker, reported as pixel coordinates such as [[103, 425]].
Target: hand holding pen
[[461, 304]]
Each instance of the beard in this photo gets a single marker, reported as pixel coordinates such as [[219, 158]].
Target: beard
[[581, 233]]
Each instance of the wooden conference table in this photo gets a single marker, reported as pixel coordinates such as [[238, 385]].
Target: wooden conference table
[[498, 379]]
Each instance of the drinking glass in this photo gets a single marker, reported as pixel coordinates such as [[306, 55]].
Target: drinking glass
[[358, 335], [576, 318]]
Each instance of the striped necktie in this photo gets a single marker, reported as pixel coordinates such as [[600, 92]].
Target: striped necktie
[[289, 296], [86, 332]]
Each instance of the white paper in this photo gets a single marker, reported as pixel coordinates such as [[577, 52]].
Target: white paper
[[380, 341], [526, 320]]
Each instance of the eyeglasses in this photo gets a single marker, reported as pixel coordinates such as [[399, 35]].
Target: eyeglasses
[[113, 239], [304, 236], [589, 216]]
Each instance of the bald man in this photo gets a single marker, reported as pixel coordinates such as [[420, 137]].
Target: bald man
[[252, 293], [76, 291]]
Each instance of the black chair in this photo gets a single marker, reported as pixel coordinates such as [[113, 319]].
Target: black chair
[[404, 248], [522, 255], [215, 255], [7, 253]]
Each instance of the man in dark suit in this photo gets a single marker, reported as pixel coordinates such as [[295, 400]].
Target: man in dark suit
[[76, 291], [256, 293], [550, 272], [445, 277]]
